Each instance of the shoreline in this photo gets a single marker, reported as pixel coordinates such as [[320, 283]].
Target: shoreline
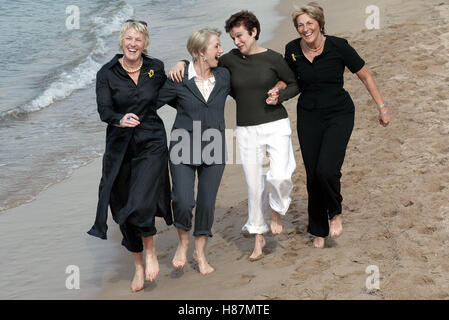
[[41, 148]]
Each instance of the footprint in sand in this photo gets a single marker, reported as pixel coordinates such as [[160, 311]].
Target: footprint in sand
[[311, 268], [244, 280], [428, 230], [416, 255], [242, 255], [423, 280], [376, 256], [162, 255], [407, 203], [228, 228], [390, 213], [227, 233], [287, 258]]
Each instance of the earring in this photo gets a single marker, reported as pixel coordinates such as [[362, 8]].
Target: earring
[[204, 58]]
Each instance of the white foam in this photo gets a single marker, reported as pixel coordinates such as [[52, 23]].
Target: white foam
[[78, 78], [84, 73], [105, 26]]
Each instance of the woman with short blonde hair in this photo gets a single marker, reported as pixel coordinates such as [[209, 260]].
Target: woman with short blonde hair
[[199, 41], [199, 99], [140, 27], [134, 184]]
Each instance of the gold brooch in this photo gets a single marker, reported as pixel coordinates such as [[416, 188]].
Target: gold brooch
[[293, 57], [151, 73]]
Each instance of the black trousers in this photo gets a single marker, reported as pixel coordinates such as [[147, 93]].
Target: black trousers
[[183, 198], [138, 189], [323, 137]]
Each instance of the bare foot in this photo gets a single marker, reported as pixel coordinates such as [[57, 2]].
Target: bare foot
[[139, 279], [336, 228], [276, 224], [180, 258], [258, 248], [318, 242], [204, 266], [151, 265]]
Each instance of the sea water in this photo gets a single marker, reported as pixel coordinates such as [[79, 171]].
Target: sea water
[[49, 123]]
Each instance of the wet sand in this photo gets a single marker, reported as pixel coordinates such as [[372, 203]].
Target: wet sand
[[395, 188]]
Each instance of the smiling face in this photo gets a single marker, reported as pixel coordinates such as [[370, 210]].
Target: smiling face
[[213, 51], [308, 28], [242, 39], [133, 45]]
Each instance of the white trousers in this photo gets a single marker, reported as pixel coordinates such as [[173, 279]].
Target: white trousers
[[254, 143]]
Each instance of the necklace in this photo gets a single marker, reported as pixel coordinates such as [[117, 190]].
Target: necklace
[[317, 49], [131, 70]]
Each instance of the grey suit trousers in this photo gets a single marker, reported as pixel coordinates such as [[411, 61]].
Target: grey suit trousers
[[183, 198]]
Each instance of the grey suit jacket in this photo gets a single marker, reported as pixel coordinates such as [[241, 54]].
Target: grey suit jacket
[[187, 99]]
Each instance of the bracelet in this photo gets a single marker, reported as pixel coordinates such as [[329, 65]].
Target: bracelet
[[381, 106]]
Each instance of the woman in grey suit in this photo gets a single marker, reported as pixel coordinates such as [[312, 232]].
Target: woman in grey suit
[[197, 142]]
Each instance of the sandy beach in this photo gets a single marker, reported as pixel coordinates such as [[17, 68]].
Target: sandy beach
[[395, 187]]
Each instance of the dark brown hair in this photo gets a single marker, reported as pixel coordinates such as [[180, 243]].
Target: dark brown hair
[[245, 17]]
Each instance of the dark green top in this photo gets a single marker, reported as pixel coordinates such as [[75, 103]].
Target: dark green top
[[251, 78]]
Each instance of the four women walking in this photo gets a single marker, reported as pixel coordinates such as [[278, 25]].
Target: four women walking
[[135, 182]]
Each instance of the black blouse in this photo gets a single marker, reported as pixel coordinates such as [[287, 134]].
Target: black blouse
[[117, 93], [321, 82]]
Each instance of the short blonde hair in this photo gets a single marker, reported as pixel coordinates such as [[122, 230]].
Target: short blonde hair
[[313, 10], [199, 41], [139, 27]]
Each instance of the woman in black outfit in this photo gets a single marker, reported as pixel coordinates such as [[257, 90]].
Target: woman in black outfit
[[134, 180], [200, 101], [325, 114]]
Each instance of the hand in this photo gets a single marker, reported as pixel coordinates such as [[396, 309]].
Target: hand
[[271, 101], [384, 116], [129, 120], [177, 72], [273, 96]]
